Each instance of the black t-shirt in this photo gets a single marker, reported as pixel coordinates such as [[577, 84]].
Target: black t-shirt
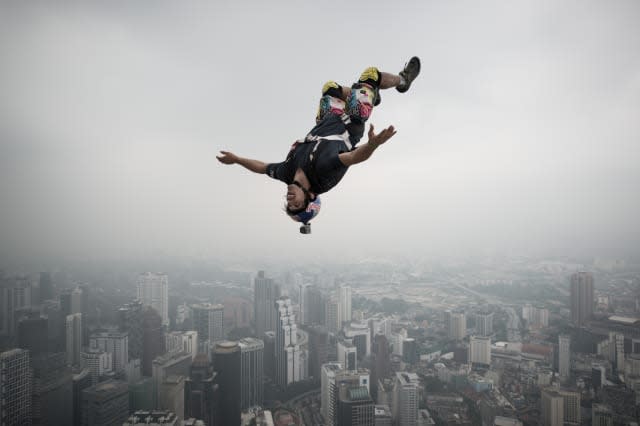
[[317, 157]]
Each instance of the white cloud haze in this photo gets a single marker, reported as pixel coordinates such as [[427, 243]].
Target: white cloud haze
[[522, 132]]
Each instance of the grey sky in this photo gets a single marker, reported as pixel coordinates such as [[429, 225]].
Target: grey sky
[[522, 132]]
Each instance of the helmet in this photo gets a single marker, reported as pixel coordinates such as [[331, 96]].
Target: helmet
[[312, 210]]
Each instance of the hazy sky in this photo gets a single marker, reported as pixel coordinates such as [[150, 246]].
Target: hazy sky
[[522, 132]]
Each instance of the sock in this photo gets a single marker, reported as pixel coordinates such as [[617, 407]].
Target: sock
[[403, 82]]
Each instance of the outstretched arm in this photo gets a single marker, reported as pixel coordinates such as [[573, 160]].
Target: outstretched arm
[[255, 166], [363, 152]]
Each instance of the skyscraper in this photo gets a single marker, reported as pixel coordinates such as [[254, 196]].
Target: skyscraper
[[114, 342], [15, 293], [201, 391], [355, 406], [33, 333], [182, 341], [318, 349], [484, 323], [480, 350], [347, 355], [457, 322], [74, 338], [46, 286], [287, 351], [551, 408], [332, 314], [227, 364], [98, 362], [153, 290], [208, 321], [564, 356], [571, 407], [327, 390], [405, 399], [152, 342], [266, 292], [251, 372], [345, 303], [105, 404], [52, 390], [130, 319], [581, 297], [15, 392], [601, 415]]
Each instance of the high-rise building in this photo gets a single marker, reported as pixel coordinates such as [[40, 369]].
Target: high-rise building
[[355, 406], [360, 334], [166, 366], [130, 319], [77, 301], [327, 391], [98, 362], [571, 407], [15, 392], [287, 350], [52, 390], [15, 293], [152, 341], [171, 395], [581, 297], [46, 286], [81, 381], [405, 399], [484, 324], [114, 342], [201, 392], [383, 357], [551, 408], [153, 290], [601, 415], [105, 404], [409, 351], [313, 305], [345, 303], [208, 321], [318, 349], [564, 356], [33, 333], [182, 341], [270, 355], [480, 350], [457, 325], [266, 292], [227, 364], [382, 415], [251, 372], [619, 359], [347, 355], [332, 315], [74, 339]]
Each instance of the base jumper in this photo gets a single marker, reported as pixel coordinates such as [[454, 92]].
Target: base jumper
[[316, 164]]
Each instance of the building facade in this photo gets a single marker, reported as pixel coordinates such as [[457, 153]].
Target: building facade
[[15, 392], [153, 290]]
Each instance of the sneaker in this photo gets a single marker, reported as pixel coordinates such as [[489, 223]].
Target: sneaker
[[409, 73]]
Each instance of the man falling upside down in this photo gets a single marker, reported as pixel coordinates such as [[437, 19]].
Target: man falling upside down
[[316, 164]]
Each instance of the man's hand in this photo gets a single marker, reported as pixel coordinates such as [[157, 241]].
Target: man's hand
[[227, 157], [382, 137]]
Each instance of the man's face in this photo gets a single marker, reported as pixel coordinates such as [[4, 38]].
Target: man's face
[[295, 197]]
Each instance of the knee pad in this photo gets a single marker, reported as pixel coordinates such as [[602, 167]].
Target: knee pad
[[331, 88]]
